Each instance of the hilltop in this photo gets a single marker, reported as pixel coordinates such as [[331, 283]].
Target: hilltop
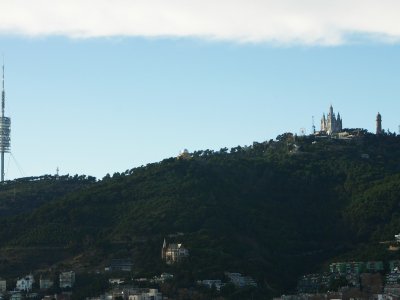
[[273, 210]]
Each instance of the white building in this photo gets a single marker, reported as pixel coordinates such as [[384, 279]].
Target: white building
[[26, 283], [67, 279], [397, 237]]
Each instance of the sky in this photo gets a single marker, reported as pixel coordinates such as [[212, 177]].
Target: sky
[[97, 87]]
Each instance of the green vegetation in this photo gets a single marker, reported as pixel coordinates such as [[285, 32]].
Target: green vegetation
[[273, 211]]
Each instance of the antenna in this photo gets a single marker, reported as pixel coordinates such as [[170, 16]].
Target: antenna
[[313, 125], [302, 131], [5, 128]]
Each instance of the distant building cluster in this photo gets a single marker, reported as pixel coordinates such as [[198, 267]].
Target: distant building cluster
[[362, 280], [25, 287], [332, 124]]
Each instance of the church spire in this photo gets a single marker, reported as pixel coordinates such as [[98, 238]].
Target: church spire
[[3, 95]]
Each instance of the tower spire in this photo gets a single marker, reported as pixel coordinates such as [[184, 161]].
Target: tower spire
[[3, 95], [378, 124], [5, 126]]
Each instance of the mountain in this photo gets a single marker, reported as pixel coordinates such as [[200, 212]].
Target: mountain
[[273, 210]]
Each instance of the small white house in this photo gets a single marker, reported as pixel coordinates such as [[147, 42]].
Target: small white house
[[26, 283]]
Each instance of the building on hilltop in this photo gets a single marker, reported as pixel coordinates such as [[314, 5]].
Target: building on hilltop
[[173, 253], [378, 124], [331, 124]]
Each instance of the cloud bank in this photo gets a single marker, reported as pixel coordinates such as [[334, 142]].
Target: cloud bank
[[307, 22]]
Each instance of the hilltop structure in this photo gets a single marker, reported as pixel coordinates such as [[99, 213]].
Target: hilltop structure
[[331, 124], [378, 124], [5, 126]]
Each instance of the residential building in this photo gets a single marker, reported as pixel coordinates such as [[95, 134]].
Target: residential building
[[16, 296], [151, 294], [392, 290], [217, 284], [173, 253], [45, 283], [67, 279], [133, 293], [239, 280], [343, 268], [120, 265], [25, 284], [162, 278], [374, 266], [117, 281], [393, 278], [313, 283], [394, 264]]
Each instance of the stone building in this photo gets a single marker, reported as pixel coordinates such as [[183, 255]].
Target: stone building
[[173, 253], [331, 124]]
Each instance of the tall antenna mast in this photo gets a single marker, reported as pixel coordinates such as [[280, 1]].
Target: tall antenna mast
[[313, 125], [5, 126]]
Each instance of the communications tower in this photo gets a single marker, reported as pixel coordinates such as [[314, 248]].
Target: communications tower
[[5, 127]]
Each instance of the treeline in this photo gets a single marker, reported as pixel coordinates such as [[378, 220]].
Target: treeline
[[272, 210]]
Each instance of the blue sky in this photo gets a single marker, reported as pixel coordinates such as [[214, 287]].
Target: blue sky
[[97, 104]]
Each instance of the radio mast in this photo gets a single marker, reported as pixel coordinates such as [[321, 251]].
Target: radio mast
[[5, 127]]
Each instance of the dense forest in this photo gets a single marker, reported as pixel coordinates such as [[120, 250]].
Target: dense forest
[[273, 210]]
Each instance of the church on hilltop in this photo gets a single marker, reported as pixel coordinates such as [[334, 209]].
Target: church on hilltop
[[331, 124]]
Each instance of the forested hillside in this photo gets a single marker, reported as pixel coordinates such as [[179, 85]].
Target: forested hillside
[[273, 210]]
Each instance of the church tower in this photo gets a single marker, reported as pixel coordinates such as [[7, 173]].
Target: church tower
[[378, 124], [164, 250], [331, 124]]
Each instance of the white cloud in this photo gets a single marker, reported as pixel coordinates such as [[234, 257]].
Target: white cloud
[[323, 22]]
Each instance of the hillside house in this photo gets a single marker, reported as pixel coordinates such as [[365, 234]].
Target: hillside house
[[212, 283], [151, 294], [120, 265], [67, 279], [239, 280], [45, 283], [173, 253], [26, 283]]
